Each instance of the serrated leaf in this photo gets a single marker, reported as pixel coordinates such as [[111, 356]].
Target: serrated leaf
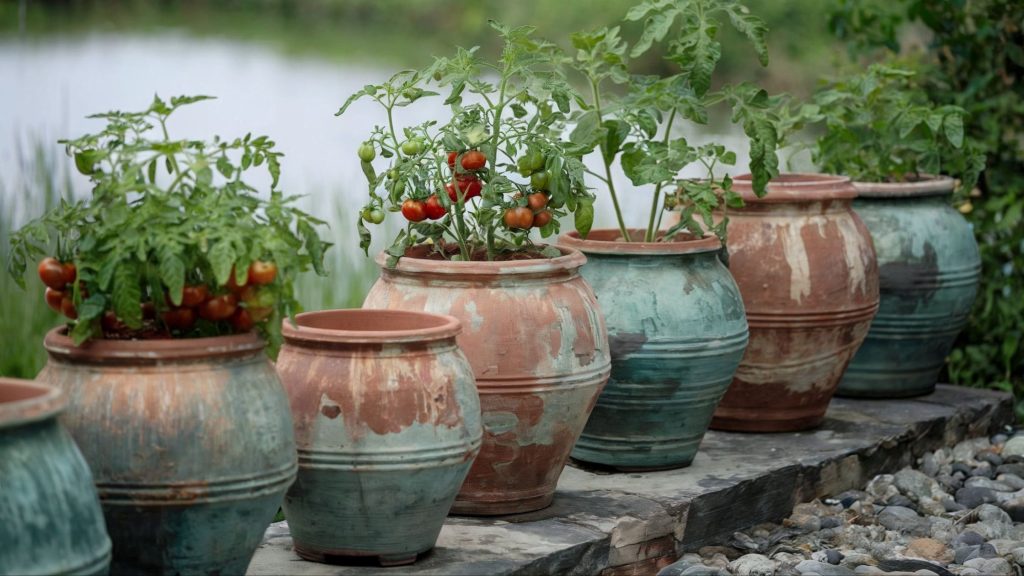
[[583, 217], [222, 258], [616, 132], [92, 307], [953, 126], [752, 27], [172, 274], [314, 246], [127, 296], [364, 233]]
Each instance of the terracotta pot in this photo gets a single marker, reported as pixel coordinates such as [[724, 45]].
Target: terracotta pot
[[806, 268], [189, 441], [387, 424], [928, 265], [677, 331], [50, 518], [538, 346]]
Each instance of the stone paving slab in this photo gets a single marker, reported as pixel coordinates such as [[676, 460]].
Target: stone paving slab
[[616, 524]]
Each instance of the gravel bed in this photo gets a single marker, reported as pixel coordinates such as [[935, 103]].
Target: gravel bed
[[960, 511]]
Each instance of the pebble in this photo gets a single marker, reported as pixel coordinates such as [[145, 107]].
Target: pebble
[[929, 549], [972, 497], [984, 470], [1016, 469], [990, 566], [1014, 507], [1000, 439], [1014, 447], [992, 458], [1011, 480], [822, 569], [961, 467], [900, 500], [1018, 556], [900, 519], [753, 565], [982, 482]]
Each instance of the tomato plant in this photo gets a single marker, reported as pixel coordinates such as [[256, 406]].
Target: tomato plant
[[475, 165], [170, 228]]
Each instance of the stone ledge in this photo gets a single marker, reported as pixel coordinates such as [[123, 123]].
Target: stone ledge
[[634, 523]]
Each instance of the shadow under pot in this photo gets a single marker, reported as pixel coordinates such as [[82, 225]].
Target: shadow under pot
[[189, 441], [806, 268], [537, 343], [677, 331], [51, 518], [928, 267], [387, 424]]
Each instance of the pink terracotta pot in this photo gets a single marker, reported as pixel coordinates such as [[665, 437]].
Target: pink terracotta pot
[[806, 268], [539, 349]]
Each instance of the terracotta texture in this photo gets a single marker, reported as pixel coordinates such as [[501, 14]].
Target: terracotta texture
[[189, 441], [806, 268], [50, 518], [538, 346], [677, 331], [929, 267], [387, 424]]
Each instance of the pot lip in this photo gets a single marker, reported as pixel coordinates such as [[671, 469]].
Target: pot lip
[[571, 259], [925, 185], [154, 351], [434, 327], [614, 246], [42, 402], [792, 187]]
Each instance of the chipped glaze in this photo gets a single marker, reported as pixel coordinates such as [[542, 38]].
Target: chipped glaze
[[538, 346], [189, 441], [50, 518], [806, 268], [387, 424], [677, 331], [929, 268]]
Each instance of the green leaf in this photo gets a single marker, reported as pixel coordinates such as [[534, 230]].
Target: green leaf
[[172, 274], [314, 246], [92, 307], [222, 258], [953, 125], [127, 296], [583, 218], [656, 26], [616, 132], [84, 330], [752, 27], [364, 234], [588, 131]]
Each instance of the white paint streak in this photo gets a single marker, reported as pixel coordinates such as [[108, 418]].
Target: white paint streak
[[854, 254], [796, 256]]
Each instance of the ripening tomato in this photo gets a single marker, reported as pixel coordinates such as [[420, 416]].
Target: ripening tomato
[[541, 219], [194, 295], [51, 272], [451, 159], [233, 285], [241, 321], [367, 152], [261, 272], [70, 272], [539, 180], [537, 201], [473, 160], [148, 310], [111, 323], [469, 185], [260, 313], [219, 307], [412, 147], [521, 218], [67, 306], [179, 318], [414, 210], [435, 210], [53, 298]]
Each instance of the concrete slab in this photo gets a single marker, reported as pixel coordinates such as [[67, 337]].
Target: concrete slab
[[631, 523]]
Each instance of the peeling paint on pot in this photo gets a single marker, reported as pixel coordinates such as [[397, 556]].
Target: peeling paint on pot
[[677, 331], [929, 267], [387, 424], [50, 518], [806, 268], [539, 351], [189, 441]]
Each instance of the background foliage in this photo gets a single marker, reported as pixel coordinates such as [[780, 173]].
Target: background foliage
[[972, 57]]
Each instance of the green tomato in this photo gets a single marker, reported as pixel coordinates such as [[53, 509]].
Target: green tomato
[[523, 164], [535, 160], [367, 152], [539, 180], [412, 147], [373, 215]]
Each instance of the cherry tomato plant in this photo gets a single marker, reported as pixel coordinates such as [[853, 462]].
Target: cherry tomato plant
[[172, 242], [634, 125], [458, 183]]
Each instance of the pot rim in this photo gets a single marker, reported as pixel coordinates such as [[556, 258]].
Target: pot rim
[[35, 402], [791, 187], [154, 351], [926, 185], [591, 245], [571, 259], [434, 327]]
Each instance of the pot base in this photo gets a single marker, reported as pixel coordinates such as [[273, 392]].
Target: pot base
[[755, 423], [355, 556], [502, 508], [882, 393], [600, 467]]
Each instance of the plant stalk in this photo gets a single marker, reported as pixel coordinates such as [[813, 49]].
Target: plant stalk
[[607, 165]]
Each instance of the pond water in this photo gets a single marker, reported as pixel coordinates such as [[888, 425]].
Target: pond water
[[51, 85]]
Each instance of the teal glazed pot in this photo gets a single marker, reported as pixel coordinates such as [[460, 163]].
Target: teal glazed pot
[[928, 266], [677, 331], [190, 444], [387, 423], [50, 518]]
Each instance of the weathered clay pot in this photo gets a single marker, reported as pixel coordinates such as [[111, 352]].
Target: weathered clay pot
[[928, 266], [539, 349], [677, 331], [387, 424], [50, 518], [806, 268], [189, 441]]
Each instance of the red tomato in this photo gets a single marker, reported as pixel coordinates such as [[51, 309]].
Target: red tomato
[[537, 201], [219, 307], [192, 296], [451, 159], [233, 285], [473, 160], [414, 210], [148, 310], [67, 306], [261, 272], [51, 272], [111, 323], [540, 219], [435, 210], [521, 217], [70, 272], [53, 298], [179, 318], [241, 321], [469, 185]]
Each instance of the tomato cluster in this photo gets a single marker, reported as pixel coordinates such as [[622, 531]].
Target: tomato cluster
[[59, 277], [467, 185], [533, 215]]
